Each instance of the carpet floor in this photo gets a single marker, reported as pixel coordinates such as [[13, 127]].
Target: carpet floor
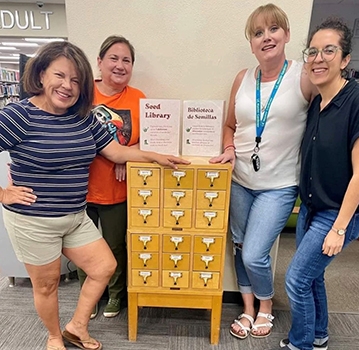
[[183, 329]]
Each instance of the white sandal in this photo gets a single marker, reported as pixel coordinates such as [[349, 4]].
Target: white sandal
[[243, 328], [269, 324]]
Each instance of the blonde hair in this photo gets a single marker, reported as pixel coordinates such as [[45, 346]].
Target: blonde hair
[[271, 14]]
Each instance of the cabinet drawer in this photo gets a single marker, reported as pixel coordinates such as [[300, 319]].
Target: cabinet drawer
[[145, 242], [145, 278], [145, 217], [175, 261], [145, 197], [178, 198], [178, 279], [212, 200], [148, 260], [212, 179], [176, 243], [145, 177], [180, 178], [205, 280], [178, 218], [206, 262], [208, 244], [210, 219]]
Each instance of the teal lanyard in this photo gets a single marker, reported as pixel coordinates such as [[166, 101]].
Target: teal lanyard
[[261, 122]]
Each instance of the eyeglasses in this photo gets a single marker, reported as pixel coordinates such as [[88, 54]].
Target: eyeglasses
[[328, 53]]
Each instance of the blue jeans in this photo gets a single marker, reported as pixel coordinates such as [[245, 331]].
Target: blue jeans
[[305, 278], [256, 219]]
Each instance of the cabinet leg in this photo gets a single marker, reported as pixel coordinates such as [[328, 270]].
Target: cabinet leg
[[11, 281], [132, 310], [216, 315]]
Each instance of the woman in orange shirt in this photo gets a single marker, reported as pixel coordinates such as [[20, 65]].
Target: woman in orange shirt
[[116, 106]]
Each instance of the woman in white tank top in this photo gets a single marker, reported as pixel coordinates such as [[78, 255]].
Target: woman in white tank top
[[262, 135]]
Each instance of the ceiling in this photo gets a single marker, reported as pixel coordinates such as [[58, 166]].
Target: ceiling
[[5, 54], [11, 55]]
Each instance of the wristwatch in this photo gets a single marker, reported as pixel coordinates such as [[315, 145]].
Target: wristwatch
[[339, 231]]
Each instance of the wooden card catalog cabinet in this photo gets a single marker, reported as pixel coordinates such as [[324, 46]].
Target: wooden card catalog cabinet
[[176, 237]]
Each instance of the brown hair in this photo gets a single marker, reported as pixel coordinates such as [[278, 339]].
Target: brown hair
[[271, 14], [115, 39], [49, 53]]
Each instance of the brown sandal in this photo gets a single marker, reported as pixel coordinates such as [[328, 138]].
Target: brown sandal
[[50, 347], [75, 340]]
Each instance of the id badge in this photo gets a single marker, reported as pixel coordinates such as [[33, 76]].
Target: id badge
[[256, 162]]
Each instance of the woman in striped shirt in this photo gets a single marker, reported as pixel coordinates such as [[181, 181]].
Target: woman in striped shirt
[[52, 139]]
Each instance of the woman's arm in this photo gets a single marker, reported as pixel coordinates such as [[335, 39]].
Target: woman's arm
[[229, 128], [119, 154], [309, 90], [120, 169], [333, 243]]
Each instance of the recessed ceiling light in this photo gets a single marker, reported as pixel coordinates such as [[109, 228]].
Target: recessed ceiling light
[[9, 62], [5, 43], [9, 48], [9, 58], [43, 40]]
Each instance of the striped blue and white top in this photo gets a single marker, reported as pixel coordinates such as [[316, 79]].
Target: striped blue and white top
[[50, 154]]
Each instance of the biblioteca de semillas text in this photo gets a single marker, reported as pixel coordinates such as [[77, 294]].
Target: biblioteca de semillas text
[[189, 110]]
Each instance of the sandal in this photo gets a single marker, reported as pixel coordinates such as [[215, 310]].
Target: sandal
[[50, 347], [243, 328], [269, 324], [75, 340]]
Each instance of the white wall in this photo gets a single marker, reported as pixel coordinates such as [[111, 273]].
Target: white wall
[[186, 49]]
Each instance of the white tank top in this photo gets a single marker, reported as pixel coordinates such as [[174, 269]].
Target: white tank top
[[281, 137]]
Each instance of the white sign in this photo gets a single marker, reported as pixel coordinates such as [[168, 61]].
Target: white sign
[[160, 125], [202, 128]]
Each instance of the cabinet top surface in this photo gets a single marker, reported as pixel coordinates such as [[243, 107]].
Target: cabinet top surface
[[195, 161]]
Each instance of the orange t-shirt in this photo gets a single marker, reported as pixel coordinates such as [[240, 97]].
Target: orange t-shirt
[[120, 115]]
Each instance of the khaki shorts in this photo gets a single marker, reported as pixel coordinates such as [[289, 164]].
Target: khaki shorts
[[39, 240]]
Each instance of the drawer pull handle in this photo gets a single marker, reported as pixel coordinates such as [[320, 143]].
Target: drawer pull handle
[[144, 195], [145, 257], [207, 259], [209, 215], [210, 196], [144, 213], [176, 259], [145, 275], [145, 240], [177, 214], [205, 277], [145, 174], [212, 175], [178, 175], [178, 196], [175, 276], [176, 241], [208, 241]]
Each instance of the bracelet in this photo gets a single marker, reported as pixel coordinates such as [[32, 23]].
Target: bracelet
[[229, 146]]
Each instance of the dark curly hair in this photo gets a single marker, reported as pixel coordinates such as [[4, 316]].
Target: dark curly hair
[[343, 30]]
